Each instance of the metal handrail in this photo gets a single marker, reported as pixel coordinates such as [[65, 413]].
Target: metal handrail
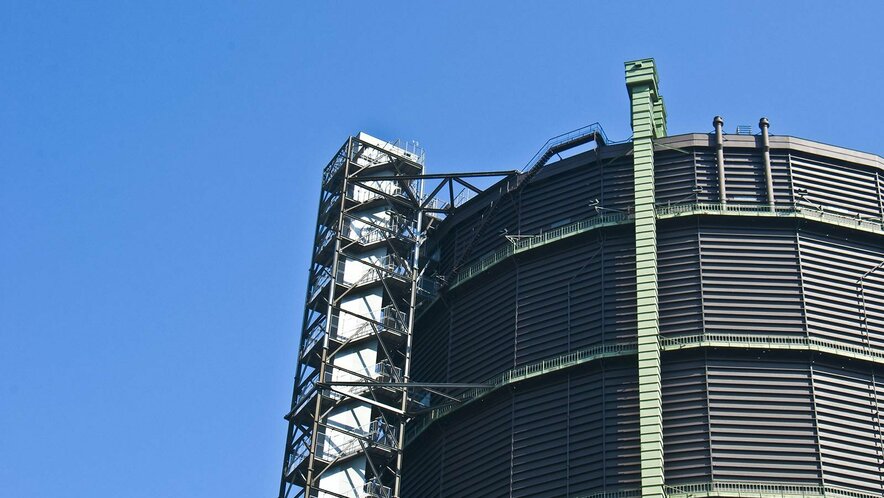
[[786, 210], [390, 264], [389, 319], [314, 334], [765, 488], [532, 241], [359, 194], [318, 284], [524, 372], [521, 373], [369, 234], [773, 341], [594, 128], [374, 489], [334, 165]]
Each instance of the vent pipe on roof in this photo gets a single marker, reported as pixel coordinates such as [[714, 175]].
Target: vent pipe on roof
[[764, 124], [718, 122]]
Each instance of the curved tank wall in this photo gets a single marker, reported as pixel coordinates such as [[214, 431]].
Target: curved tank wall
[[771, 324]]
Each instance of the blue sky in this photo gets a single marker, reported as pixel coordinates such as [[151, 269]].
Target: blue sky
[[160, 174]]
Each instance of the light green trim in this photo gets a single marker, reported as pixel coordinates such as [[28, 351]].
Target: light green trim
[[774, 342], [871, 225], [733, 489], [534, 241], [648, 122]]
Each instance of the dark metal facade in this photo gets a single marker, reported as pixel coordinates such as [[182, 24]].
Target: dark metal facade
[[771, 325]]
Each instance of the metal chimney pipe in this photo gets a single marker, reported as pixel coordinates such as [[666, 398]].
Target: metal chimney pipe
[[764, 124], [718, 122]]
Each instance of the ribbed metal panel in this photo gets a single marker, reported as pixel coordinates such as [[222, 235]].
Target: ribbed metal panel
[[574, 190], [831, 270], [678, 261], [782, 177], [617, 188], [422, 475], [483, 320], [574, 434], [622, 443], [546, 300], [540, 439], [587, 445], [686, 443], [707, 175], [761, 421], [619, 287], [744, 176], [836, 186], [586, 299], [674, 176], [849, 428], [479, 450], [750, 280], [577, 297], [431, 340]]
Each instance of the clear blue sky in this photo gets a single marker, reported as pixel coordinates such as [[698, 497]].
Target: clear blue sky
[[161, 165]]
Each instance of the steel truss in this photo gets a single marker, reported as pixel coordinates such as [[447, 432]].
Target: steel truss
[[353, 394]]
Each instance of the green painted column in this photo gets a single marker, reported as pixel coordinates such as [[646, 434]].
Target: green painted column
[[648, 122]]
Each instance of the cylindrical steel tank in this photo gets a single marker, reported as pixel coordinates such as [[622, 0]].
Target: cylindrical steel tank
[[771, 327]]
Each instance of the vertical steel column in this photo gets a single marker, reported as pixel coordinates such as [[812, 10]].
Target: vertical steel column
[[406, 371], [317, 412], [648, 122]]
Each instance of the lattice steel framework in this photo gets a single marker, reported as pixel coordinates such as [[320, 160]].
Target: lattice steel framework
[[353, 395]]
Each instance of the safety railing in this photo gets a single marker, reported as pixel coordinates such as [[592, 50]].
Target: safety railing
[[381, 432], [306, 391], [525, 372], [526, 243], [358, 193], [388, 320], [388, 265], [325, 238], [749, 489], [519, 374], [783, 210], [564, 138], [380, 231], [529, 242], [319, 283], [334, 165], [314, 334], [374, 489], [386, 372], [623, 493], [300, 453], [379, 372], [775, 342]]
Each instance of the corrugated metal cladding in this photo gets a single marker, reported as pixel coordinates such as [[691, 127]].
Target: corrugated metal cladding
[[730, 414], [546, 304], [568, 435], [785, 418]]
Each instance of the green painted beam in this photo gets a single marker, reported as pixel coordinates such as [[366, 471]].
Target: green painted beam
[[648, 122]]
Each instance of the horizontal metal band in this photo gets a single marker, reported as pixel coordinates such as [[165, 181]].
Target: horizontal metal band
[[594, 353]]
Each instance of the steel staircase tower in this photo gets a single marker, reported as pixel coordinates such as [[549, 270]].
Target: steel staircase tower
[[344, 439]]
